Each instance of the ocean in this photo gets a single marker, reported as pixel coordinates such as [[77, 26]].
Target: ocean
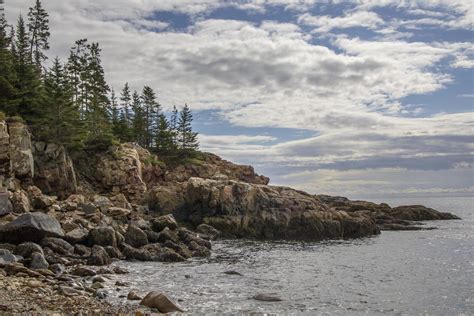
[[396, 273]]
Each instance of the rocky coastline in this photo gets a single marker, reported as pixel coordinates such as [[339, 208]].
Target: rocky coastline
[[64, 219]]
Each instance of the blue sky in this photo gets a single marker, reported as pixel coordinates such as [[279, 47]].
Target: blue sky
[[358, 98]]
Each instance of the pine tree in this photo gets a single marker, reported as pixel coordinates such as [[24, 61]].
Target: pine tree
[[8, 79], [38, 26], [126, 100], [138, 121], [187, 139], [151, 112], [174, 123], [28, 84], [59, 120], [164, 137], [76, 69]]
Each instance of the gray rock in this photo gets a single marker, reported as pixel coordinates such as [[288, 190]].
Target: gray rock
[[161, 302], [26, 249], [5, 204], [135, 237], [82, 250], [31, 227], [77, 235], [83, 271], [98, 257], [58, 245], [6, 257], [208, 230], [102, 236], [267, 298], [164, 221], [38, 261], [57, 268], [88, 208], [113, 252]]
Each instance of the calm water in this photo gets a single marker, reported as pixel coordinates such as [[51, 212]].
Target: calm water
[[396, 273]]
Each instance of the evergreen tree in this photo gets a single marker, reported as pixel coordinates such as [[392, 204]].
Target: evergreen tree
[[114, 108], [138, 121], [151, 112], [76, 69], [59, 120], [164, 137], [8, 79], [187, 139], [174, 123], [28, 84], [38, 26], [126, 102]]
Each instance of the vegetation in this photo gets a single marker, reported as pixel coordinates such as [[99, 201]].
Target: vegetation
[[70, 102]]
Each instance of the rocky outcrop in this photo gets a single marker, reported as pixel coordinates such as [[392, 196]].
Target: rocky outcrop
[[54, 170], [21, 156], [239, 209], [405, 217]]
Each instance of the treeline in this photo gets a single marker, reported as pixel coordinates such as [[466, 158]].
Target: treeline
[[70, 102]]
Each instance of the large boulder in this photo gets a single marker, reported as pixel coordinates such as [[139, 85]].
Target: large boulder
[[102, 236], [99, 256], [165, 221], [161, 302], [169, 198], [20, 202], [21, 156], [26, 249], [6, 257], [54, 170], [240, 209], [31, 227], [135, 237]]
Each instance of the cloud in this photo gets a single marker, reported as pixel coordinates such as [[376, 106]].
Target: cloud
[[322, 24]]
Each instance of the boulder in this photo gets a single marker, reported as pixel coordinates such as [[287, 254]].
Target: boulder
[[82, 250], [77, 235], [419, 213], [208, 230], [21, 156], [58, 245], [135, 237], [165, 221], [133, 296], [26, 249], [166, 199], [102, 236], [38, 199], [83, 271], [161, 302], [119, 200], [57, 268], [6, 257], [98, 257], [31, 227], [113, 252], [267, 298], [131, 253], [38, 261], [20, 202]]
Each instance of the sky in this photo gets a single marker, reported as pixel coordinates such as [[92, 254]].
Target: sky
[[356, 98]]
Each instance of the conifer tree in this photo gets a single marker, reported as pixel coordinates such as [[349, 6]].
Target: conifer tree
[[139, 121], [59, 120], [173, 124], [38, 26], [151, 112], [164, 137], [187, 139], [126, 102], [7, 70], [76, 68]]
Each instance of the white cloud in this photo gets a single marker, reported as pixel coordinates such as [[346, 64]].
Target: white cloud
[[327, 23]]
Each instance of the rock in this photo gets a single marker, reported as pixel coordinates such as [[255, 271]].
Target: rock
[[208, 231], [54, 170], [166, 199], [58, 245], [118, 213], [135, 237], [20, 202], [6, 257], [57, 268], [153, 237], [77, 235], [34, 284], [113, 252], [169, 255], [419, 213], [120, 283], [26, 249], [166, 234], [101, 202], [120, 170], [5, 204], [87, 207], [165, 221], [31, 227], [120, 201], [161, 302], [7, 246], [99, 278], [131, 253], [133, 296], [266, 298], [38, 199], [21, 156], [82, 250], [99, 256], [141, 223], [38, 261], [232, 272], [83, 271], [102, 236]]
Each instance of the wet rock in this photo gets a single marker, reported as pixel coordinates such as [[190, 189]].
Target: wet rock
[[31, 227], [120, 283], [166, 234], [232, 272], [131, 253], [83, 271], [6, 257], [135, 237], [179, 248], [198, 250], [169, 255], [152, 236], [102, 236], [133, 296], [58, 245], [113, 252], [77, 235], [161, 302], [38, 261], [266, 298], [165, 221], [26, 249], [208, 231], [98, 257]]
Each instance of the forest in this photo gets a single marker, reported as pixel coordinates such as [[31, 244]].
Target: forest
[[70, 103]]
